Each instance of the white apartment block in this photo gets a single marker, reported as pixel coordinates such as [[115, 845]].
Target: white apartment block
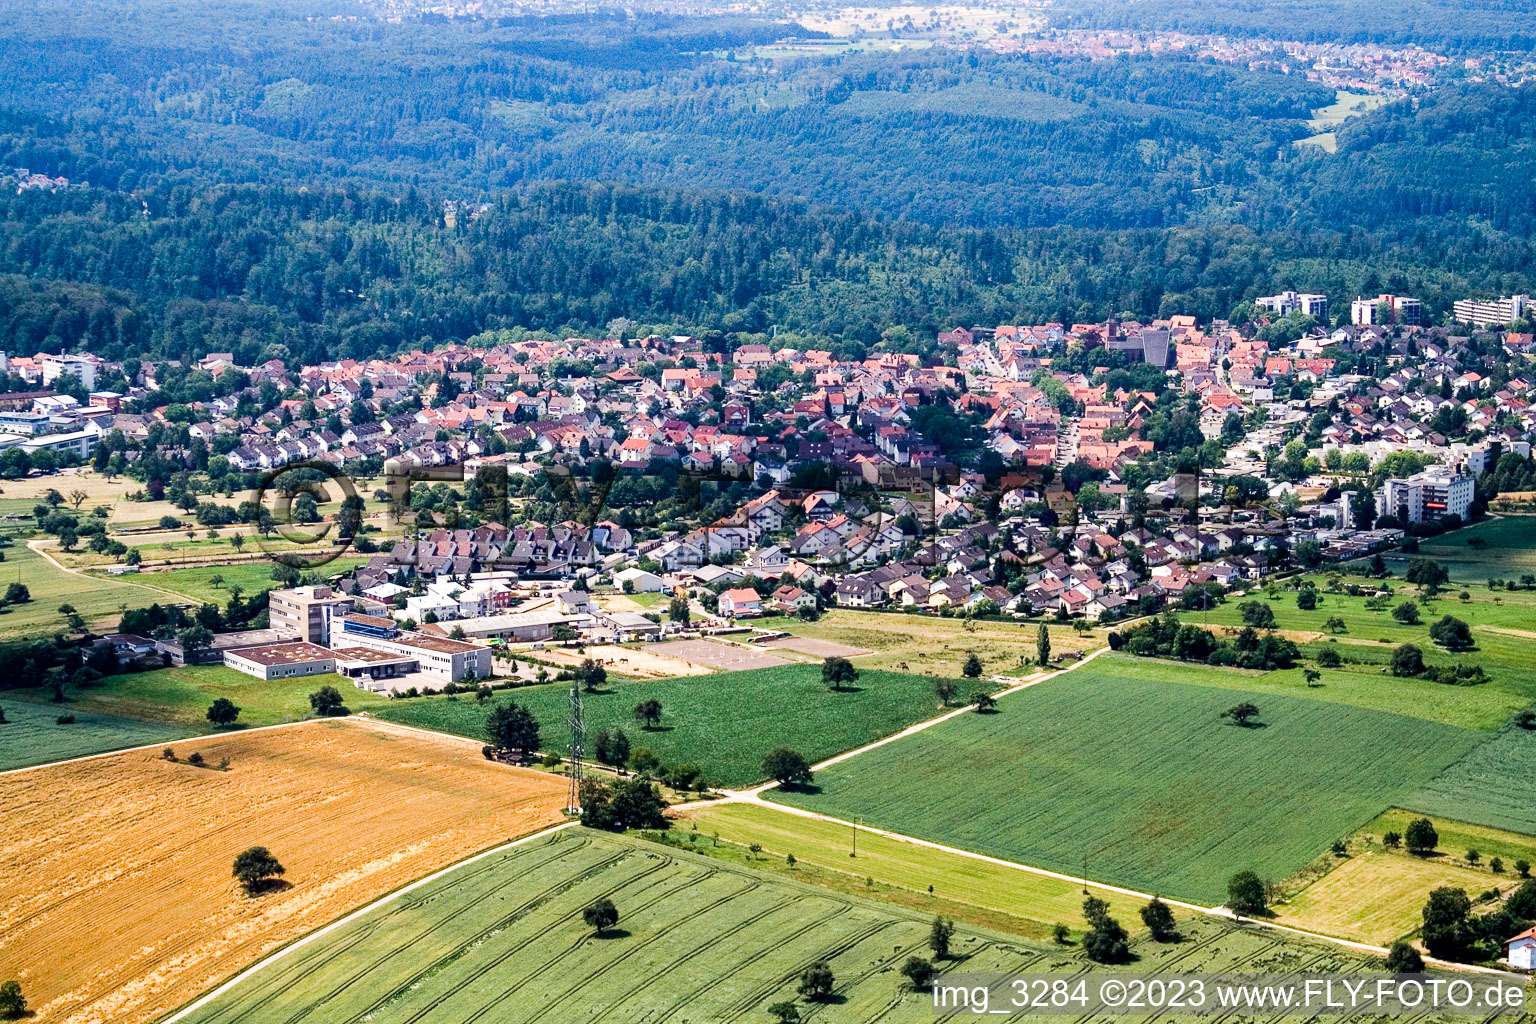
[[306, 612], [1289, 302], [1433, 494], [1386, 309], [1493, 312]]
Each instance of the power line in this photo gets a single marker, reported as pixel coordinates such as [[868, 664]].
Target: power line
[[578, 742]]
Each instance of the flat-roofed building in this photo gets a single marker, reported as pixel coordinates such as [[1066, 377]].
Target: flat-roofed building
[[368, 667], [440, 657], [282, 660], [520, 627], [306, 612]]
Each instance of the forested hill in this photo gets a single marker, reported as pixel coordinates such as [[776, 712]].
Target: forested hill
[[1452, 26], [310, 274]]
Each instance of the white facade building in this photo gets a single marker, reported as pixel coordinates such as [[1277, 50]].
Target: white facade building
[[1433, 494], [1493, 312]]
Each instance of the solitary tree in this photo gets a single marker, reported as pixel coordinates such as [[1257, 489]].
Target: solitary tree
[[1407, 613], [984, 701], [600, 915], [591, 675], [785, 1012], [787, 768], [1334, 624], [1257, 615], [1105, 941], [255, 868], [1243, 714], [1448, 928], [1404, 959], [648, 713], [677, 610], [1043, 645], [13, 1005], [327, 701], [919, 973], [945, 689], [1246, 894], [1312, 676], [837, 671], [1407, 660], [1451, 633], [1306, 599], [223, 711], [817, 982], [1421, 837], [1159, 921], [940, 936], [972, 667]]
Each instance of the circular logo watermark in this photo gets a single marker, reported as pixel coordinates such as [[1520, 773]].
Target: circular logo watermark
[[289, 528]]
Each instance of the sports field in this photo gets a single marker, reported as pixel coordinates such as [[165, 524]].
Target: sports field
[[1490, 786], [988, 895], [141, 848], [1140, 781], [723, 723], [32, 734], [696, 940]]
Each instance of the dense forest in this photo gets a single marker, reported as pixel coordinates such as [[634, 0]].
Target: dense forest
[[264, 179], [1447, 26]]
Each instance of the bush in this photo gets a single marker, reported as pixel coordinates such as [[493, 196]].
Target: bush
[[65, 720]]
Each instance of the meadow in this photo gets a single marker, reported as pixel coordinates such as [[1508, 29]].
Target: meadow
[[1490, 785], [1138, 781], [1502, 628], [935, 646], [1502, 548], [182, 695], [723, 723], [352, 811], [99, 601], [32, 734], [210, 584], [697, 940], [985, 894]]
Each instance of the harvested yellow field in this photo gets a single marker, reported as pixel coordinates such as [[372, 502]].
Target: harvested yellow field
[[117, 901], [1376, 897]]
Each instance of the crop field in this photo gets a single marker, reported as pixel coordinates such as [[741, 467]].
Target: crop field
[[32, 734], [696, 940], [934, 646], [1376, 897], [1141, 781], [723, 723], [1502, 548], [987, 895], [351, 811], [1490, 785]]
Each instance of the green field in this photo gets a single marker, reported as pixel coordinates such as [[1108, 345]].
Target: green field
[[1508, 549], [1140, 778], [697, 940], [182, 695], [1503, 633], [965, 888], [100, 601], [723, 723], [33, 736], [251, 577], [1490, 786], [1346, 104]]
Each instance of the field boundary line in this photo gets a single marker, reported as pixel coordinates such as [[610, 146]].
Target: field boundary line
[[309, 937]]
